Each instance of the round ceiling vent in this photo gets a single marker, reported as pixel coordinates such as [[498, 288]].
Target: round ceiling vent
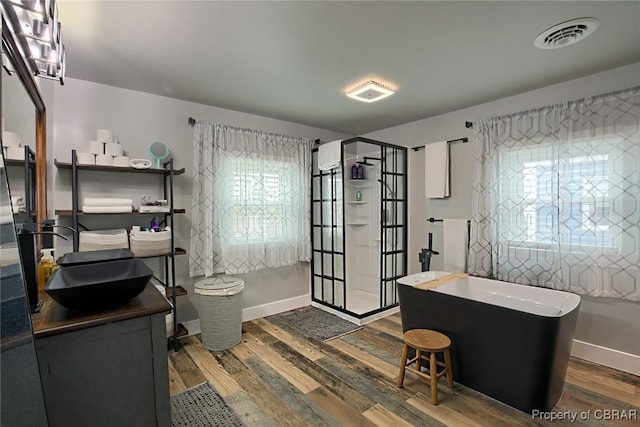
[[566, 33]]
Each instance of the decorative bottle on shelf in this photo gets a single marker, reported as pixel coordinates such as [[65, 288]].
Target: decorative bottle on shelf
[[358, 196], [360, 172], [354, 171]]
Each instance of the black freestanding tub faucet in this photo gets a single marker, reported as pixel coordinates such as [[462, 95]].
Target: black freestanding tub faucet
[[424, 256]]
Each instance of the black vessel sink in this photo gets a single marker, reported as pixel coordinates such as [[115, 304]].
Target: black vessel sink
[[91, 257], [98, 284]]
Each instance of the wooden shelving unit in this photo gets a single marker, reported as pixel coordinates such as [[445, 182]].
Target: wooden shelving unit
[[14, 162], [180, 291], [168, 173], [69, 212]]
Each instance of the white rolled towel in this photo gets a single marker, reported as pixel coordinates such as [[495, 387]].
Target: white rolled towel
[[113, 149], [15, 153], [106, 201], [86, 158], [7, 211], [104, 135], [104, 160], [10, 139], [95, 147]]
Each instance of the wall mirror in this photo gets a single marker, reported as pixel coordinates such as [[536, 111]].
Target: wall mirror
[[22, 401]]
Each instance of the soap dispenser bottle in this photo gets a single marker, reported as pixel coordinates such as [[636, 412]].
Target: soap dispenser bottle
[[46, 267]]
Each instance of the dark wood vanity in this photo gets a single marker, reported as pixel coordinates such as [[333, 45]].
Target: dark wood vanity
[[105, 367]]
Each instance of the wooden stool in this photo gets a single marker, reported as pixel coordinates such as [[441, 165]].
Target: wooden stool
[[431, 342]]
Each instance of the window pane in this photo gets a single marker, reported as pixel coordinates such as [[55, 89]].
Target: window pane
[[317, 216], [259, 200], [317, 263], [317, 287], [339, 264], [328, 265], [316, 237], [563, 201]]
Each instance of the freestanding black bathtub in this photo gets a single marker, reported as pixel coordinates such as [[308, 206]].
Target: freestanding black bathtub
[[511, 342]]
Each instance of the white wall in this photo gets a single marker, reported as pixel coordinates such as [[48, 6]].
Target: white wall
[[79, 108], [606, 322]]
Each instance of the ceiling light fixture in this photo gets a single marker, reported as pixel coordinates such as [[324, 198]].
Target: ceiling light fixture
[[34, 23], [370, 92], [566, 33]]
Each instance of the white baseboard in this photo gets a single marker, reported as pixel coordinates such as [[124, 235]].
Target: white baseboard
[[250, 313], [276, 307], [615, 359]]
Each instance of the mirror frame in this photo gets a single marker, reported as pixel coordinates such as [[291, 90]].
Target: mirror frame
[[28, 81]]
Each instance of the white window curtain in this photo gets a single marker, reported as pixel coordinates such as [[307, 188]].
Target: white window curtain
[[251, 200], [556, 197]]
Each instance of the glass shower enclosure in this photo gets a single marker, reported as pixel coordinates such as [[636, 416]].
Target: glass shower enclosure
[[359, 229]]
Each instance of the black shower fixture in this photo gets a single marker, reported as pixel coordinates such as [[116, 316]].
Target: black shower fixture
[[366, 161]]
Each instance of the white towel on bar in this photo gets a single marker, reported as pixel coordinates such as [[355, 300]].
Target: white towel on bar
[[329, 155], [107, 209], [455, 234], [436, 170], [106, 201]]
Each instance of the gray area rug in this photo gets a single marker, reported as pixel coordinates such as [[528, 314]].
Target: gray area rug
[[320, 324], [202, 406]]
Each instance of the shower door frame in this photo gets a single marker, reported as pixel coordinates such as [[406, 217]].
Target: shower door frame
[[384, 278], [321, 252]]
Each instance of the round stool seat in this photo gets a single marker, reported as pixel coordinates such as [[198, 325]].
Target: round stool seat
[[426, 340]]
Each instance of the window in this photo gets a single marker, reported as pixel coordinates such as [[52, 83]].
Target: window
[[565, 201], [556, 197], [258, 203], [251, 203]]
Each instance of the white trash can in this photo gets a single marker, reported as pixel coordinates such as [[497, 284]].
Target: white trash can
[[220, 309]]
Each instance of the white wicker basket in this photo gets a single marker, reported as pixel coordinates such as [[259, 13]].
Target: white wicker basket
[[103, 239], [146, 243]]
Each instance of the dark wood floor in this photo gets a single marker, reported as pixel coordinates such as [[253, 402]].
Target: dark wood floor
[[277, 376]]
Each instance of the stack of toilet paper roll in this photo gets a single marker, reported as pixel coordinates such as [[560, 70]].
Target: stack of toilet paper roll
[[105, 150], [11, 146]]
